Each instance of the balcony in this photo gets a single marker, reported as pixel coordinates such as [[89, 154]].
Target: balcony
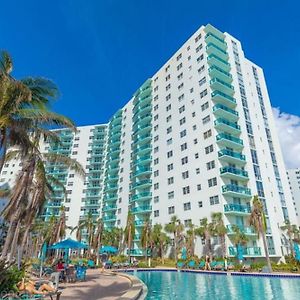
[[140, 110], [231, 157], [249, 231], [234, 190], [216, 72], [137, 237], [109, 218], [237, 209], [222, 98], [212, 38], [214, 60], [227, 140], [109, 208], [141, 197], [225, 125], [141, 184], [221, 86], [221, 110], [111, 187], [139, 223], [142, 139], [234, 173], [91, 203], [142, 129], [142, 209], [142, 149], [143, 160], [137, 252], [212, 48], [110, 198], [54, 204], [142, 171], [142, 120], [112, 178], [247, 251]]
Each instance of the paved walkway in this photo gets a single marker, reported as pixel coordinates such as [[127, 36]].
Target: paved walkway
[[98, 285]]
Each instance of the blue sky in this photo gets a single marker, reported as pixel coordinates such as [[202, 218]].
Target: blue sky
[[99, 52]]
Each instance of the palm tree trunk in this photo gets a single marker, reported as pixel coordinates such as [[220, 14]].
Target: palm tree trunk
[[175, 248], [129, 245], [291, 246], [162, 254], [223, 242], [266, 250], [4, 149], [9, 238], [13, 247]]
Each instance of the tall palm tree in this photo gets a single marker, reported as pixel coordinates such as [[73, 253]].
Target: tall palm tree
[[129, 232], [146, 236], [220, 230], [160, 240], [258, 221], [191, 238], [239, 238], [97, 241], [206, 231], [292, 232], [176, 228]]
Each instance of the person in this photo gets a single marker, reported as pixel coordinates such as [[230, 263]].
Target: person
[[207, 263], [225, 263], [29, 286], [104, 260], [60, 267]]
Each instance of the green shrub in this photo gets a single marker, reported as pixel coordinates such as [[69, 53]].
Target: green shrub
[[9, 277]]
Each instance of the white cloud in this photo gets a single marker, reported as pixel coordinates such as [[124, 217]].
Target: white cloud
[[288, 128]]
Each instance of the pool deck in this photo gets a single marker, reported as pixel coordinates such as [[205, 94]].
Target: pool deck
[[104, 286]]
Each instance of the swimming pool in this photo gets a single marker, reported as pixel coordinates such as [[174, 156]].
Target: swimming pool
[[184, 285]]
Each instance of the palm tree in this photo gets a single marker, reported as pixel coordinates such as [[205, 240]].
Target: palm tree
[[129, 233], [239, 238], [220, 229], [97, 241], [160, 240], [191, 238], [146, 236], [258, 221], [292, 232], [176, 228], [206, 231]]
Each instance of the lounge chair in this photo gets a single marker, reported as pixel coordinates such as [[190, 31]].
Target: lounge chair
[[201, 265], [192, 264], [80, 272], [245, 268], [213, 265], [180, 264], [91, 264], [219, 266], [230, 266]]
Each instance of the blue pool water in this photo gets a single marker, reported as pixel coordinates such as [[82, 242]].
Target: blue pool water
[[184, 286]]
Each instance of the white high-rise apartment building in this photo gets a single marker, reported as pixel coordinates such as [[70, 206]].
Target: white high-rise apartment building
[[196, 138], [294, 181]]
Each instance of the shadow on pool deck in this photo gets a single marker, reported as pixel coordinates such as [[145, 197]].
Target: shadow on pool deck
[[96, 286]]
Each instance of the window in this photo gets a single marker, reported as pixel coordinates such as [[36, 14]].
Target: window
[[214, 200], [206, 120], [76, 139], [194, 127], [156, 127], [195, 141], [183, 146], [200, 58], [155, 117], [156, 173], [199, 48], [191, 90], [181, 97], [200, 204], [210, 165], [179, 56], [156, 199], [170, 180], [70, 183], [169, 129], [198, 187], [156, 160], [207, 134], [156, 186], [168, 97], [75, 145], [168, 119], [169, 154], [182, 121], [183, 133], [187, 222], [202, 81], [185, 174], [179, 66], [169, 141], [167, 68], [71, 175], [74, 153], [156, 213], [171, 195], [168, 87], [181, 109], [180, 87], [171, 210], [168, 107], [184, 160], [156, 89], [201, 69], [196, 155], [170, 167], [187, 206], [156, 149], [198, 171], [198, 38], [156, 138], [186, 190], [209, 149], [168, 77], [193, 114], [204, 106], [203, 94], [212, 182], [180, 76]]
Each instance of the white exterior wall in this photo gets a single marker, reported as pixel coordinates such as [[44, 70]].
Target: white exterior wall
[[294, 182]]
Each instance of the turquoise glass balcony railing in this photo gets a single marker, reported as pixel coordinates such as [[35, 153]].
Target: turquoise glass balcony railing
[[143, 160], [109, 218], [225, 125], [141, 119], [212, 48], [141, 196], [234, 173], [231, 156], [237, 209], [143, 128], [227, 140], [142, 171], [222, 86], [222, 98], [54, 204], [236, 190], [144, 148], [137, 252], [247, 251], [137, 237], [139, 110], [214, 60], [89, 203], [111, 187], [247, 230], [111, 178], [109, 207], [142, 209], [139, 223], [212, 38], [92, 195], [142, 183], [215, 71], [110, 198], [221, 110]]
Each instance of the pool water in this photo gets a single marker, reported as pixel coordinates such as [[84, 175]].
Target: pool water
[[183, 286]]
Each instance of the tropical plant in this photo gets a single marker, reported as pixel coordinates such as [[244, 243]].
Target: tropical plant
[[146, 237], [129, 233], [191, 238], [160, 240], [292, 233], [176, 228], [258, 221], [205, 231], [240, 239], [219, 229]]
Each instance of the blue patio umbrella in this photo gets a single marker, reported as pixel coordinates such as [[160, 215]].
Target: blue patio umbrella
[[108, 249], [239, 253], [297, 251], [69, 244], [42, 257], [183, 253]]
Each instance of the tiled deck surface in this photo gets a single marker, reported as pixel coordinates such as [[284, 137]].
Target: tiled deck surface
[[98, 285]]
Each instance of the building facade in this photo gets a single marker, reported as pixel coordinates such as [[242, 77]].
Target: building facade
[[294, 181], [197, 137]]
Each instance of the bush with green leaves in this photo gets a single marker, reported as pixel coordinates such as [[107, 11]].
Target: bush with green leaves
[[9, 277]]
